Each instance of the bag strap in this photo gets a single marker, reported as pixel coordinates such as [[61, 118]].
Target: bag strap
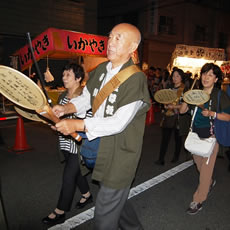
[[193, 116], [111, 85], [218, 101]]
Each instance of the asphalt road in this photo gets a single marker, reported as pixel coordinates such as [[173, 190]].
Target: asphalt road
[[31, 180]]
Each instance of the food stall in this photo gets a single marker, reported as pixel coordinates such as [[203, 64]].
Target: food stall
[[57, 44], [192, 58]]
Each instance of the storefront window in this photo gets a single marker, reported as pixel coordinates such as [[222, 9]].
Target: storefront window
[[166, 25]]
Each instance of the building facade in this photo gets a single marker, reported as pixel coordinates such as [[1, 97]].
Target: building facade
[[165, 23], [18, 17]]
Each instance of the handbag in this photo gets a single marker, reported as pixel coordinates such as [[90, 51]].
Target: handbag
[[89, 150], [170, 119], [199, 146], [221, 128]]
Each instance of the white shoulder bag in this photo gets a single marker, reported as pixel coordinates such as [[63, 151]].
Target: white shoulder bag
[[199, 146]]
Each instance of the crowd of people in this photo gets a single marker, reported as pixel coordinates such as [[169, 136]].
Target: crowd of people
[[159, 78], [119, 122], [172, 121], [177, 118]]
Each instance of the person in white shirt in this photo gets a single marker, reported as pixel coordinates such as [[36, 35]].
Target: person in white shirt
[[120, 123], [72, 178]]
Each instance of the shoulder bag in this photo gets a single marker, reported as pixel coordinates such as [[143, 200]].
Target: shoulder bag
[[199, 146]]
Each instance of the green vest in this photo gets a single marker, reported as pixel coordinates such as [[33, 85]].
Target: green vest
[[119, 154]]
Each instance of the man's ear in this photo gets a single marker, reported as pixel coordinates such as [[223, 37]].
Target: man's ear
[[133, 47]]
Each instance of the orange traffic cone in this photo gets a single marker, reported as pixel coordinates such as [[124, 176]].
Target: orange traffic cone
[[150, 116], [20, 144]]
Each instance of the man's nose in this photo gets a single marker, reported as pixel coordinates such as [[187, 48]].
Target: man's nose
[[111, 41]]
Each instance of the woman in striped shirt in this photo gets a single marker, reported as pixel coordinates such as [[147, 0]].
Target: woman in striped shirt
[[73, 75]]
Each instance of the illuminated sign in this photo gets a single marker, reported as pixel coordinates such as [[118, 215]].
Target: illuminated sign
[[58, 44], [192, 58], [199, 52]]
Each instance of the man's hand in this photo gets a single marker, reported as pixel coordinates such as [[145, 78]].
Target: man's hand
[[53, 127], [68, 126]]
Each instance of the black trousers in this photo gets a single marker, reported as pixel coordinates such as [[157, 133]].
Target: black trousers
[[72, 178], [166, 135]]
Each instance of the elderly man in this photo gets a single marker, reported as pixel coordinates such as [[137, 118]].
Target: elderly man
[[119, 122]]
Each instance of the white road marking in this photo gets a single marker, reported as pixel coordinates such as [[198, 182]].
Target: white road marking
[[79, 219]]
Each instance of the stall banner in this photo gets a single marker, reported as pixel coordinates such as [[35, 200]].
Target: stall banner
[[216, 54], [56, 43]]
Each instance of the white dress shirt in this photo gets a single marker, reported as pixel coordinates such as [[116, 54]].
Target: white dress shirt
[[98, 125]]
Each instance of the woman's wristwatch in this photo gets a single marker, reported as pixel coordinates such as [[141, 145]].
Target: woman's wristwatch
[[215, 115]]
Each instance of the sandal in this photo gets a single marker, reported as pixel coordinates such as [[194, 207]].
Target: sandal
[[88, 200], [58, 219]]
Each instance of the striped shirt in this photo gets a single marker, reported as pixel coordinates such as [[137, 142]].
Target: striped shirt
[[67, 143]]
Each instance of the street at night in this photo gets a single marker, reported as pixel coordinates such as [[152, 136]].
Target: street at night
[[104, 63], [160, 194]]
